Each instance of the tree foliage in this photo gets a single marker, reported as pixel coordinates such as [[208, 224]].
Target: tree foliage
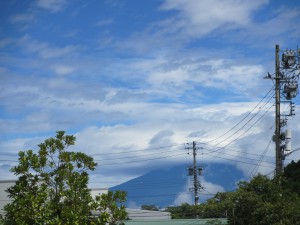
[[107, 208], [262, 201], [292, 174], [185, 211], [150, 207], [52, 188]]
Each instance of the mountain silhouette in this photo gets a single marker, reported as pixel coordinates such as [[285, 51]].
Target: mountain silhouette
[[169, 187]]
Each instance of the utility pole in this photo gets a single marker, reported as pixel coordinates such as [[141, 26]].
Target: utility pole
[[195, 171], [286, 78], [278, 151]]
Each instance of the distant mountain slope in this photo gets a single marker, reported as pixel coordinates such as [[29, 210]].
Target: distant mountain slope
[[163, 187], [225, 175]]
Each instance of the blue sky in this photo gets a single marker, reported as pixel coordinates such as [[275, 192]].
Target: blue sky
[[127, 76]]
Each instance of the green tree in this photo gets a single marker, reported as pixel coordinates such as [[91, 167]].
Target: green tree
[[108, 209], [266, 201], [185, 211], [52, 188], [261, 201], [213, 222], [292, 174], [150, 207]]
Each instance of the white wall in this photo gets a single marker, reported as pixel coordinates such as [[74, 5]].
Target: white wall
[[4, 184], [138, 214], [98, 191]]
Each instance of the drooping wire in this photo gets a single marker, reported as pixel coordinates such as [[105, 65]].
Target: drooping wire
[[255, 169], [231, 142], [252, 117], [249, 113]]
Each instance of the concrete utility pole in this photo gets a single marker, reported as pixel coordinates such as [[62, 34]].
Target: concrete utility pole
[[279, 158], [195, 171], [287, 72]]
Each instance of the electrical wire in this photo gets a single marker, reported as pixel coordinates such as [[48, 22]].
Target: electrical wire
[[161, 147], [248, 114], [223, 147], [242, 157], [234, 150], [137, 161], [140, 150], [99, 154], [127, 157], [255, 169], [254, 115], [239, 161], [165, 195]]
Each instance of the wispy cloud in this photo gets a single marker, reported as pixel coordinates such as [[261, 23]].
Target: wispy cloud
[[52, 5], [22, 18], [23, 21], [63, 69], [5, 42], [202, 17], [44, 50], [186, 196], [105, 22]]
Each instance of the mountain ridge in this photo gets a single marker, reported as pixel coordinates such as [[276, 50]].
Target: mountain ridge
[[170, 186]]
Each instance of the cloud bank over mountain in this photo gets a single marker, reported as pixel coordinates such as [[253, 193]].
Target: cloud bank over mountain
[[135, 81]]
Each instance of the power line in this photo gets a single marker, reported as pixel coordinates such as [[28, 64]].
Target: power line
[[242, 157], [128, 157], [140, 150], [255, 169], [211, 147], [224, 147], [137, 161], [249, 113], [234, 160], [245, 123]]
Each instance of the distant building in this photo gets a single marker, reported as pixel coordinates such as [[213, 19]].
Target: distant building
[[98, 191], [142, 215], [4, 199], [175, 222]]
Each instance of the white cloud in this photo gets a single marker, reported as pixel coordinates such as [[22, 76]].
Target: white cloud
[[22, 18], [5, 42], [45, 50], [210, 187], [168, 75], [202, 17], [155, 126], [23, 21], [105, 22], [52, 5], [232, 77], [183, 197], [186, 196], [63, 69], [175, 78], [272, 31]]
